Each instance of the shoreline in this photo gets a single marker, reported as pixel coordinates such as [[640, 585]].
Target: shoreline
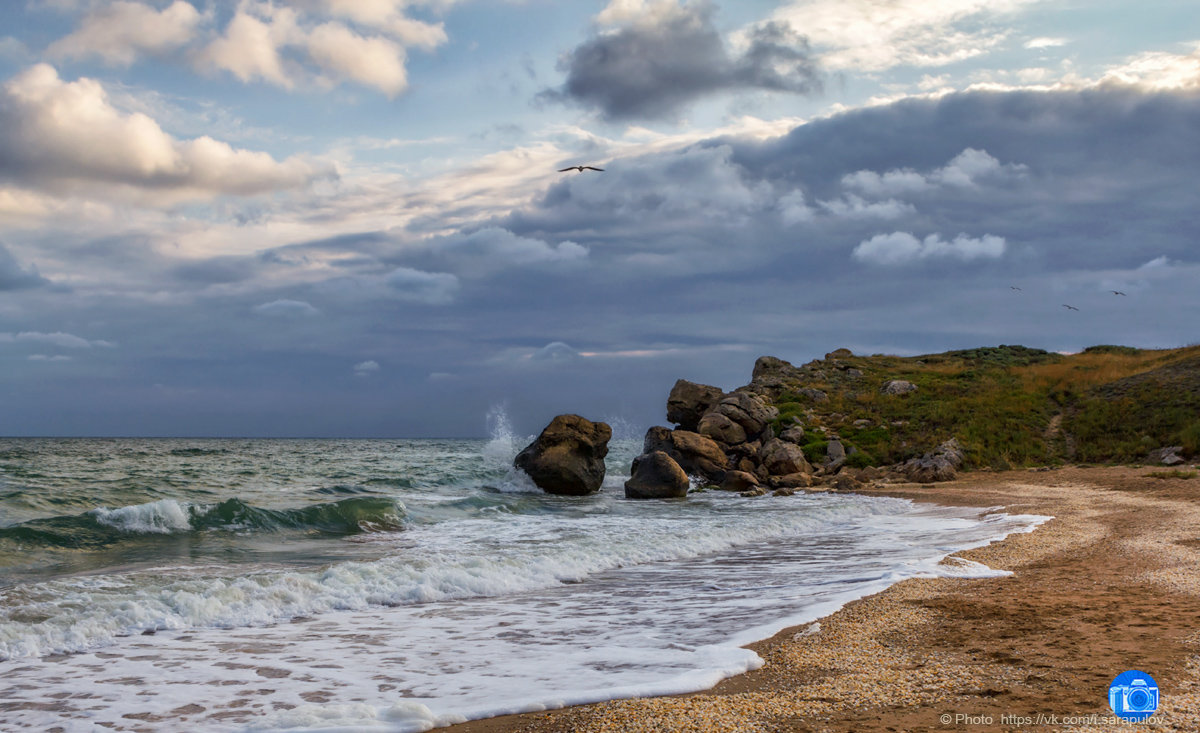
[[1111, 583]]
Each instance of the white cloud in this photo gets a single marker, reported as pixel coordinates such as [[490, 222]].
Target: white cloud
[[873, 35], [900, 248], [286, 309], [433, 288], [366, 368], [44, 357], [793, 209], [388, 16], [1159, 70], [965, 170], [64, 135], [1045, 42], [58, 338], [492, 247], [855, 207], [249, 49], [117, 33], [287, 46], [1158, 263], [638, 12], [374, 62], [555, 352]]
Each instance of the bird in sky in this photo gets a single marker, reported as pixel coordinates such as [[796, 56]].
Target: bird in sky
[[580, 168], [1117, 292], [1070, 307], [1013, 287]]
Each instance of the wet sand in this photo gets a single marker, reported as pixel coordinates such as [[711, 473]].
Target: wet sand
[[1112, 583]]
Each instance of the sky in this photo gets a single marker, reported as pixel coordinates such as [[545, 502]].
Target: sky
[[346, 218]]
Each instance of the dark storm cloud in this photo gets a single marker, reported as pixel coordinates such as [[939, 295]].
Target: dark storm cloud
[[15, 277], [653, 71], [897, 228]]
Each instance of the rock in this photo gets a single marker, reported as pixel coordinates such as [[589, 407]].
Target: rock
[[839, 354], [747, 410], [835, 454], [854, 373], [781, 458], [783, 492], [940, 465], [1167, 456], [844, 483], [739, 481], [656, 476], [815, 395], [863, 423], [688, 402], [898, 387], [751, 493], [769, 365], [698, 453], [794, 434], [568, 456], [746, 465], [658, 438], [721, 429], [792, 481]]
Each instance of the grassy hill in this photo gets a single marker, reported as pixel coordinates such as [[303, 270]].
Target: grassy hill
[[1007, 405]]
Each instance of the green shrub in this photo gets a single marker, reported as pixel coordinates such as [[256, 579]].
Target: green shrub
[[859, 459], [815, 451]]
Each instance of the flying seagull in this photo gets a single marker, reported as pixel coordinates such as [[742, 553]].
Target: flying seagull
[[1117, 292], [1013, 287], [580, 168], [1070, 307]]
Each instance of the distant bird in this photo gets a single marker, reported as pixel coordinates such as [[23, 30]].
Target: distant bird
[[1070, 307], [1117, 292], [580, 168], [1013, 287]]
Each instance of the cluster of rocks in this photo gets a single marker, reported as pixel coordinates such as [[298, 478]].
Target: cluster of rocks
[[726, 441]]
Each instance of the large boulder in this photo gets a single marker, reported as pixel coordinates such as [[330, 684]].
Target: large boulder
[[781, 458], [688, 402], [656, 476], [1167, 456], [721, 429], [747, 410], [568, 457]]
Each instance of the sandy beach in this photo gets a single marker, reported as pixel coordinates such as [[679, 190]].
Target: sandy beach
[[1111, 583]]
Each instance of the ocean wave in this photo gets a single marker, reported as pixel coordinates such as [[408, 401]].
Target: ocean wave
[[103, 526], [481, 558]]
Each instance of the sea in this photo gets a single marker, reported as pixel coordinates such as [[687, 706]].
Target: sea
[[402, 585]]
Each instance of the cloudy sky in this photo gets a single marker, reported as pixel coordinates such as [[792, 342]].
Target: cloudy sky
[[344, 217]]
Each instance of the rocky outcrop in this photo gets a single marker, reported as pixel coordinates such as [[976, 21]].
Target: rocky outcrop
[[568, 456], [898, 387], [688, 402], [656, 476], [940, 465]]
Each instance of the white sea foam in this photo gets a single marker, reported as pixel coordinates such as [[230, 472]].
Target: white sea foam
[[157, 517], [735, 570]]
